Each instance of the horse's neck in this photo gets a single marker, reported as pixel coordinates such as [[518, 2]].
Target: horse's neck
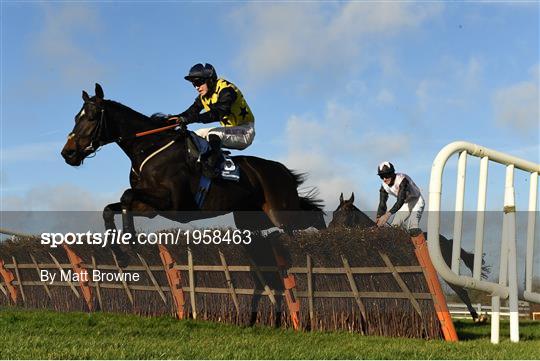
[[127, 123]]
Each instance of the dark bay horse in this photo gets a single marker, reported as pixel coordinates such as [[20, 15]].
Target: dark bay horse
[[349, 216], [164, 178]]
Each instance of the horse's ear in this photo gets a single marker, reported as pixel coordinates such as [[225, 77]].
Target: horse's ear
[[99, 92], [85, 96], [341, 198], [352, 198]]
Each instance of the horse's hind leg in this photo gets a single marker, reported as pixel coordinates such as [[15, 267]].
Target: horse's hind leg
[[280, 219], [464, 296], [253, 220]]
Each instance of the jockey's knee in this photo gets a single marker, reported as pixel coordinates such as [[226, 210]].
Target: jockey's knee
[[214, 139]]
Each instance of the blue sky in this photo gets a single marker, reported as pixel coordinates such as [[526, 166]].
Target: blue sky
[[336, 87]]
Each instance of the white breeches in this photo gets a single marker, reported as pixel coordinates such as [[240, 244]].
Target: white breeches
[[408, 216], [237, 137]]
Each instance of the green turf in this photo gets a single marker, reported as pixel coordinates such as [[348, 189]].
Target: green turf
[[52, 335]]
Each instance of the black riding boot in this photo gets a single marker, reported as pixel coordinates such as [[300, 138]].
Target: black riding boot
[[212, 159]]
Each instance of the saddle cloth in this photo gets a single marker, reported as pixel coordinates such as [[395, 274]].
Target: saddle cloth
[[228, 170]]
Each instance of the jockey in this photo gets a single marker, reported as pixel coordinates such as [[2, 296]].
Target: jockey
[[409, 205], [223, 102]]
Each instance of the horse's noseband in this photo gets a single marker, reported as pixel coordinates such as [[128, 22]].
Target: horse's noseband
[[97, 134]]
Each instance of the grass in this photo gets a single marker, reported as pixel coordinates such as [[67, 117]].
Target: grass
[[52, 335]]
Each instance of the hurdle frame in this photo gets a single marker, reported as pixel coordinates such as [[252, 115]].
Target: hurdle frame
[[507, 287]]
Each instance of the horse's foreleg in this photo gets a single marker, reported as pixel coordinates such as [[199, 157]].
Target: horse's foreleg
[[141, 202], [108, 217], [109, 212]]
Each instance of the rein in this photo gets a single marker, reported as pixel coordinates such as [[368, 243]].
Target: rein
[[99, 129], [151, 131], [97, 134]]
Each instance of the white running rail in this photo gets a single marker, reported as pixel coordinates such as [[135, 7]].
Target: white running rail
[[507, 287]]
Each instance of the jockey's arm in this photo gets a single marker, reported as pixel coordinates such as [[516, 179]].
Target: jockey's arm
[[192, 112], [219, 109], [402, 195], [383, 197]]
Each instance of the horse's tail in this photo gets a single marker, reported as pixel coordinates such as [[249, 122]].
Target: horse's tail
[[468, 259], [299, 178], [310, 202], [309, 198]]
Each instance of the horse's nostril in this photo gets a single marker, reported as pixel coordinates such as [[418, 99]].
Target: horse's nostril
[[68, 153]]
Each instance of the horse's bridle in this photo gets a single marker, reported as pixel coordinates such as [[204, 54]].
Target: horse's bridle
[[97, 133], [96, 141], [97, 137]]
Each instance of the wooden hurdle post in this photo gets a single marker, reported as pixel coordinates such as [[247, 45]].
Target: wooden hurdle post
[[174, 277], [289, 284], [77, 265], [8, 279], [439, 301]]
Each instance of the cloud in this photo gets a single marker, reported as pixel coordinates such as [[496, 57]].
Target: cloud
[[65, 197], [450, 83], [55, 208], [281, 37], [31, 152], [334, 149], [517, 106], [329, 178], [65, 45]]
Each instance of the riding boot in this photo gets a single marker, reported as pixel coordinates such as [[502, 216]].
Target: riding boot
[[212, 159]]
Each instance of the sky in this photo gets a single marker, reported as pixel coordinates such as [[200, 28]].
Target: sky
[[336, 88]]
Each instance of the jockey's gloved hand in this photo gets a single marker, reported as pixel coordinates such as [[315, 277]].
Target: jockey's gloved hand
[[178, 119], [182, 120], [172, 118]]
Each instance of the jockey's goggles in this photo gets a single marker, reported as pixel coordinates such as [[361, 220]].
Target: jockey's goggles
[[198, 82], [386, 175]]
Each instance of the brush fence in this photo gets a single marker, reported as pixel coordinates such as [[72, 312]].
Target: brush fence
[[328, 291]]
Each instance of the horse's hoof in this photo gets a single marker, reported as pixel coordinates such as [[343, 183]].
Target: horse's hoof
[[483, 318]]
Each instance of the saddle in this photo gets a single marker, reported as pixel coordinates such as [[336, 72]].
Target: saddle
[[197, 146]]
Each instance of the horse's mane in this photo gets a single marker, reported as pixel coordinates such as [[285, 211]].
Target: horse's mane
[[159, 117], [156, 119]]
